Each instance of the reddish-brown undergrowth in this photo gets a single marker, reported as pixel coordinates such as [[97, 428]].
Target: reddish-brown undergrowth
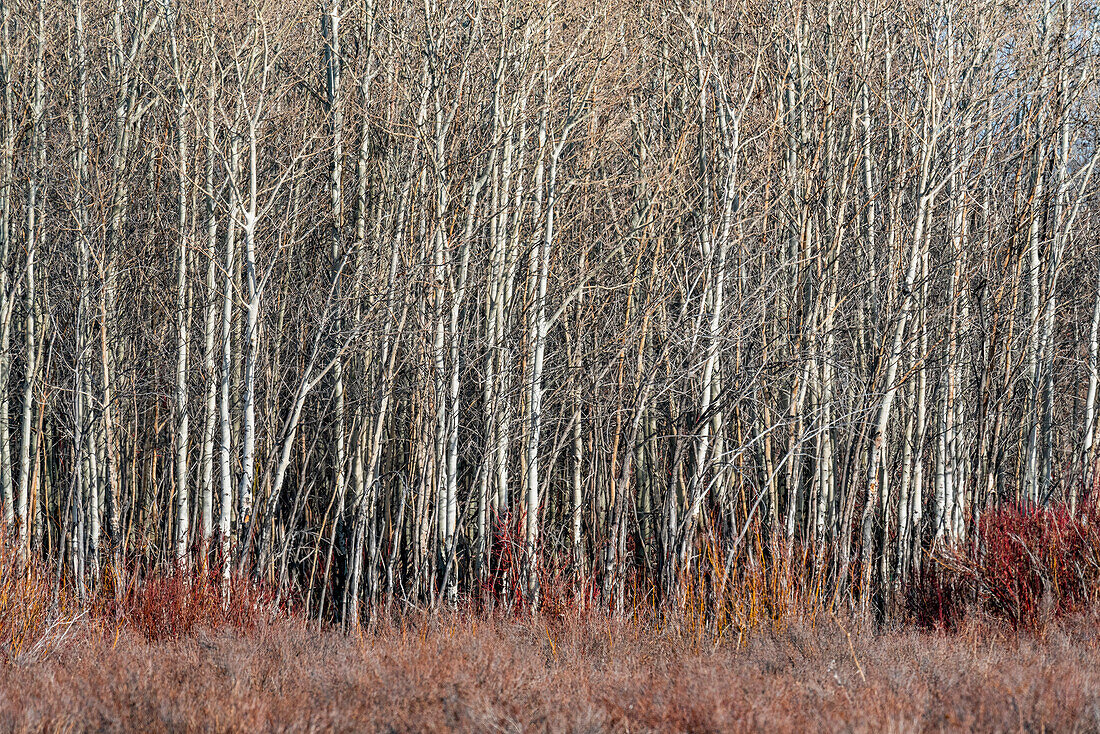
[[747, 645], [39, 610], [718, 593], [31, 606]]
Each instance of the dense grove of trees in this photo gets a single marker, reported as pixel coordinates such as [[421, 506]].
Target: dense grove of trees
[[421, 300]]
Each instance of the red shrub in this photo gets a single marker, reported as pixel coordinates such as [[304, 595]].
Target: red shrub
[[162, 605], [562, 587], [1029, 564]]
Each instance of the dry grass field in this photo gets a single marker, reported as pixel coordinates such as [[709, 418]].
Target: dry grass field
[[460, 673]]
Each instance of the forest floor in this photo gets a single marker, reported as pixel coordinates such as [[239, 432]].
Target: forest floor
[[469, 674]]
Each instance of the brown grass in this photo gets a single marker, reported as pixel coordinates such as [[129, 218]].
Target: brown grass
[[472, 674]]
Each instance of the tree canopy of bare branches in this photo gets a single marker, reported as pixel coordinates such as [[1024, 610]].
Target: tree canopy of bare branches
[[416, 300]]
